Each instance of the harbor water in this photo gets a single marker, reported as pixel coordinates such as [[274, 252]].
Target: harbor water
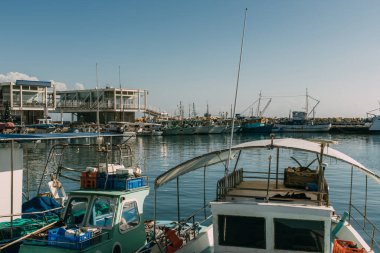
[[157, 154]]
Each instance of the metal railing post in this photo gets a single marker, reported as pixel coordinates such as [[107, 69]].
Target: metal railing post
[[204, 190], [350, 203], [365, 200], [178, 214], [277, 166], [268, 182]]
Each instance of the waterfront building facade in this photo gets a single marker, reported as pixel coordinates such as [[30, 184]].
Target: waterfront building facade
[[113, 104], [27, 101]]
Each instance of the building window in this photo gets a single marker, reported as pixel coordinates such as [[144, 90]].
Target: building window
[[239, 231], [299, 235], [130, 217]]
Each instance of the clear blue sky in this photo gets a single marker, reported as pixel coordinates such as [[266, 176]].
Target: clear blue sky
[[188, 50]]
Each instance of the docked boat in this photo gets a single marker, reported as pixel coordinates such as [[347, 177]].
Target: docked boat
[[255, 125], [203, 129], [272, 209], [173, 130], [120, 127], [45, 125], [187, 130], [300, 123], [104, 215], [217, 129], [375, 125]]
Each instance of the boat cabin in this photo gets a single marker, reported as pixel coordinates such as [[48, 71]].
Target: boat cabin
[[254, 218], [96, 221]]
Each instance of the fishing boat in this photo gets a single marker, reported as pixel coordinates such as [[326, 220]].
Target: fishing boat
[[285, 207], [300, 123], [217, 128], [105, 214], [375, 125], [255, 125]]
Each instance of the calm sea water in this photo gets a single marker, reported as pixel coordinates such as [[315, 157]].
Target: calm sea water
[[156, 155]]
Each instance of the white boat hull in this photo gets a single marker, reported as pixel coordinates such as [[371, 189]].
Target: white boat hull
[[217, 129], [302, 128], [375, 126], [203, 129]]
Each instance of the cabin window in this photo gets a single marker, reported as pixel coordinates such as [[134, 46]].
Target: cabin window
[[130, 217], [102, 212], [240, 231], [299, 235], [75, 212]]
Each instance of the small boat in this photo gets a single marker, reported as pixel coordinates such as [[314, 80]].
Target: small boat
[[147, 129], [45, 125], [120, 127], [268, 209], [6, 127]]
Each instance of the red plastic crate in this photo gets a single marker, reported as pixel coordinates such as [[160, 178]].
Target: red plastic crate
[[341, 246], [88, 180]]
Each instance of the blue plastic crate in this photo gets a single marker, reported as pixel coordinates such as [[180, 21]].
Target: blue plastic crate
[[100, 182], [58, 238], [135, 183]]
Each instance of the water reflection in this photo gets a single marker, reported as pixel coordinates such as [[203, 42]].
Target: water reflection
[[157, 154]]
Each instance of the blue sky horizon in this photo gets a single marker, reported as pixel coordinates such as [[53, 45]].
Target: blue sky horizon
[[189, 50]]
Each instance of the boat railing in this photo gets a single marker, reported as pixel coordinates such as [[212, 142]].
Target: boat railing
[[360, 218], [369, 228], [228, 182], [273, 179], [191, 218]]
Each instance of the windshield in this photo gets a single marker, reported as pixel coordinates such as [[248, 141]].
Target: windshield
[[102, 212], [76, 210]]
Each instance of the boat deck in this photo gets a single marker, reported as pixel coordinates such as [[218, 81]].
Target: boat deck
[[257, 189]]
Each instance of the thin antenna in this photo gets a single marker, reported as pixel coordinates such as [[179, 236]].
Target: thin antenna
[[121, 100], [99, 139], [97, 95], [307, 103], [258, 106], [236, 91]]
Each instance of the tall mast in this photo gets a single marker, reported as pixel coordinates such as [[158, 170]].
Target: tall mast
[[258, 106], [194, 111], [307, 103], [236, 91]]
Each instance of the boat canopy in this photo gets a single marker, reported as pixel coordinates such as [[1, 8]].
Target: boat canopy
[[287, 143]]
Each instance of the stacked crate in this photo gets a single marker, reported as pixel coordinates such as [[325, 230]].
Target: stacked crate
[[88, 180]]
